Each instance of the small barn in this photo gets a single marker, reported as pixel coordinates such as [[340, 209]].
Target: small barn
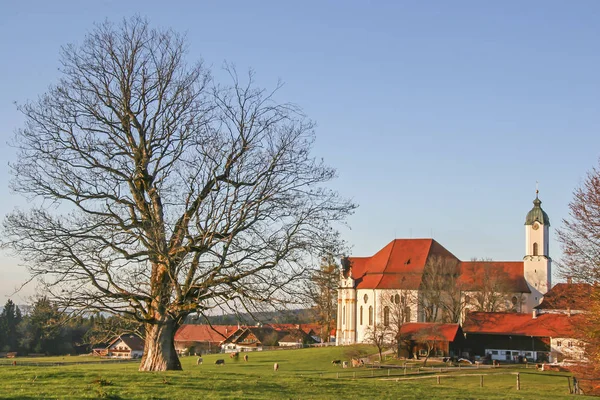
[[418, 339]]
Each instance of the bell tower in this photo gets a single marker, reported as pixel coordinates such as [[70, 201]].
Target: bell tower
[[537, 264]]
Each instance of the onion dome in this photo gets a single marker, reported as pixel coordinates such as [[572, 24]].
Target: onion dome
[[537, 214]]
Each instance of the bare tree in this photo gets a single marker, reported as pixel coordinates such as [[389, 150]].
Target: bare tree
[[396, 311], [380, 336], [439, 286], [162, 193], [580, 242], [491, 288], [322, 292], [428, 337], [580, 234]]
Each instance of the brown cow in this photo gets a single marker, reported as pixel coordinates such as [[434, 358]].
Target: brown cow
[[275, 367], [246, 357]]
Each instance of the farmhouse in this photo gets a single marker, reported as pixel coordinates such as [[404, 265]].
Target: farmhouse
[[392, 282], [504, 336], [251, 338], [126, 346]]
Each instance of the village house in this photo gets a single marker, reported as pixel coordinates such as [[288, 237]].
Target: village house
[[373, 288], [126, 346], [201, 339], [251, 338]]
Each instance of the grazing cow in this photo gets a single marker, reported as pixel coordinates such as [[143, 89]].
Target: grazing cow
[[357, 363], [275, 367], [220, 362], [246, 357], [336, 362], [345, 364], [539, 367], [199, 361], [234, 355]]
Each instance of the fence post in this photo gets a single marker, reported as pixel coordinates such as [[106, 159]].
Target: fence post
[[569, 381], [389, 371], [438, 379], [481, 381], [518, 381]]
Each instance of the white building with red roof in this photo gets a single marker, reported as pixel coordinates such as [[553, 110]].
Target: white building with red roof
[[371, 286]]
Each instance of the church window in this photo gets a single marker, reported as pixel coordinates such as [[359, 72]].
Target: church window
[[558, 344], [535, 249], [361, 315], [370, 315], [366, 298], [514, 300], [386, 316], [407, 314], [569, 344], [344, 315], [392, 299], [397, 298]]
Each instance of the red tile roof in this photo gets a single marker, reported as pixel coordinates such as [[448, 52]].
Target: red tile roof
[[204, 333], [399, 265], [430, 331], [567, 296], [472, 274], [504, 323]]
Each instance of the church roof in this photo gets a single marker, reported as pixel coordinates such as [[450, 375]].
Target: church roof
[[537, 214], [399, 265], [508, 275]]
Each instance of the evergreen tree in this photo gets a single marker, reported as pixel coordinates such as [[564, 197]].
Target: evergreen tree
[[9, 319]]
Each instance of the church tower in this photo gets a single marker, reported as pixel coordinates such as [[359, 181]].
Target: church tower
[[537, 264]]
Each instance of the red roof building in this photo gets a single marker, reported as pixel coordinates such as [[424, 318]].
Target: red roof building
[[399, 279], [507, 336], [201, 339]]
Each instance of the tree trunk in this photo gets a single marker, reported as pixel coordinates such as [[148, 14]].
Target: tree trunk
[[159, 348]]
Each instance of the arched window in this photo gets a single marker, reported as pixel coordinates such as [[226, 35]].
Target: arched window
[[535, 249], [344, 315], [407, 314], [361, 312], [392, 299], [386, 316], [370, 315], [397, 298]]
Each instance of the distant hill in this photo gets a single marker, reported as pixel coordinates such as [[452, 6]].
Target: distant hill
[[299, 316]]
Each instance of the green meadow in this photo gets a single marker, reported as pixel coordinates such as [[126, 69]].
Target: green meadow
[[303, 374]]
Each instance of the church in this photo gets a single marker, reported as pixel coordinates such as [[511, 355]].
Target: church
[[396, 283]]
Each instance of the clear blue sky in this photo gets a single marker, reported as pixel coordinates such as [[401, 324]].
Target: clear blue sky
[[439, 116]]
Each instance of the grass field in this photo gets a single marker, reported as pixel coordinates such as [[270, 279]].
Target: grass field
[[303, 374]]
